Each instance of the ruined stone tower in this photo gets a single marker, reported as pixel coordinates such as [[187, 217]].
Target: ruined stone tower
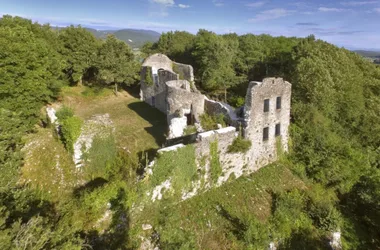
[[267, 118]]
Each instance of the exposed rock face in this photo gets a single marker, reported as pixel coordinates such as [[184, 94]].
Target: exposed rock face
[[50, 111], [336, 242], [157, 191]]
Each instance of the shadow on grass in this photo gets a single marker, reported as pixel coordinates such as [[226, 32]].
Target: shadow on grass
[[117, 235], [238, 227], [154, 117], [90, 186], [133, 90]]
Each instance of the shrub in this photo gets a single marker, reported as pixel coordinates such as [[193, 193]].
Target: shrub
[[64, 113], [70, 131], [148, 76], [178, 165], [210, 122], [239, 145], [236, 101], [189, 130]]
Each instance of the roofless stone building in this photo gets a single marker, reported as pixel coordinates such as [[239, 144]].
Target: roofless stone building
[[264, 119]]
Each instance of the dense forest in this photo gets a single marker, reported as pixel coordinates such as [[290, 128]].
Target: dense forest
[[335, 131]]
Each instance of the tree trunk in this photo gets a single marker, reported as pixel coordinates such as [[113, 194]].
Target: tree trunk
[[115, 88]]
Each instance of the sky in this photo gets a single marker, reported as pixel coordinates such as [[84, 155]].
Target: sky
[[347, 23]]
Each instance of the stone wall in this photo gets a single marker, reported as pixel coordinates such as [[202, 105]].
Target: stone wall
[[155, 93], [180, 98], [231, 163], [159, 61], [181, 101], [215, 108], [185, 72], [265, 151]]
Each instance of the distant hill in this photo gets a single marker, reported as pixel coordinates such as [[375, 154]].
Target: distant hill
[[368, 53], [135, 38]]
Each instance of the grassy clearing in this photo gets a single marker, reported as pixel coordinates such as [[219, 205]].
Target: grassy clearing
[[209, 220], [139, 127], [48, 166]]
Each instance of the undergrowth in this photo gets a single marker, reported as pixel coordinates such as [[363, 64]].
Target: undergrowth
[[179, 165], [210, 122]]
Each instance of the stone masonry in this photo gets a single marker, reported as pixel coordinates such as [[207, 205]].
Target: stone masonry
[[264, 119]]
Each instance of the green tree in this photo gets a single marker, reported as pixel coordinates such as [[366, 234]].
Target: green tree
[[116, 62], [79, 50], [214, 57]]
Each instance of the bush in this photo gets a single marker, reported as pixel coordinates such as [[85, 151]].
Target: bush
[[239, 145], [210, 122], [178, 165], [189, 130], [70, 131], [236, 101], [148, 76], [64, 113]]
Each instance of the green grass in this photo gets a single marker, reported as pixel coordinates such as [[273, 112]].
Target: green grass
[[48, 166], [210, 122], [239, 145], [139, 127], [208, 220], [178, 165]]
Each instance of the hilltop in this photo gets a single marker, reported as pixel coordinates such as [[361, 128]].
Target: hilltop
[[134, 37]]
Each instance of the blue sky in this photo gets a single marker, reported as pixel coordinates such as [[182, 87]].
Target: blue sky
[[352, 24]]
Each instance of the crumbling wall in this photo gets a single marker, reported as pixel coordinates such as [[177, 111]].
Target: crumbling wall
[[159, 61], [181, 102], [215, 108], [160, 70], [265, 151], [231, 163], [180, 98], [154, 92], [185, 72]]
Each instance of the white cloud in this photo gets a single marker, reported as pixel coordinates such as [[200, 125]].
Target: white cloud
[[271, 14], [218, 3], [325, 9], [183, 6], [165, 2], [358, 3], [256, 4]]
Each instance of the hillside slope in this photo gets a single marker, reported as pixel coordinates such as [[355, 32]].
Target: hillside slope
[[135, 38]]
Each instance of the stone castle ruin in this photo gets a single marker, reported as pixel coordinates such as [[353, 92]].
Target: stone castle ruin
[[264, 119]]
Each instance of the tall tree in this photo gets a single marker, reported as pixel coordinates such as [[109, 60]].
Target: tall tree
[[116, 62], [214, 56], [79, 50]]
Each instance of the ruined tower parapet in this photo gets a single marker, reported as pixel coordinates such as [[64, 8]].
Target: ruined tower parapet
[[267, 118]]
